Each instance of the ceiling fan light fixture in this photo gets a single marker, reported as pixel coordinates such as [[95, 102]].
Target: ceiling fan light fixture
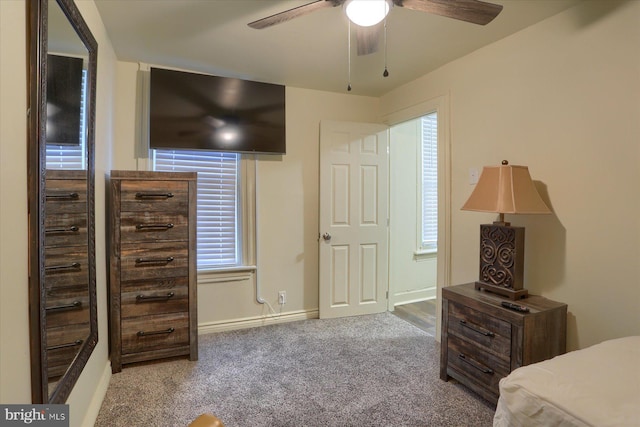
[[366, 13]]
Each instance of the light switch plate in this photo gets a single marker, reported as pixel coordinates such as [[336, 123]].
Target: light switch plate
[[473, 176]]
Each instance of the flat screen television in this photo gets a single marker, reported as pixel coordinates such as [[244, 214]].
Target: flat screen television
[[64, 100], [204, 112]]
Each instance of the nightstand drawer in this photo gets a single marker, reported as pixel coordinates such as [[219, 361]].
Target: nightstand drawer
[[489, 332], [484, 368]]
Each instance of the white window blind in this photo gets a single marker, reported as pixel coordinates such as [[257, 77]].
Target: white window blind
[[218, 201], [71, 156], [429, 182]]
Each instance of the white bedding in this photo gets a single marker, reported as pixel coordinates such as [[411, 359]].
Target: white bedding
[[597, 386]]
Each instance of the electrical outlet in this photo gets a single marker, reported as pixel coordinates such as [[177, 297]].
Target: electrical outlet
[[282, 297]]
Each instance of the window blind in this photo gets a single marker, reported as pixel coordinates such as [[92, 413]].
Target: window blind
[[218, 201], [429, 181]]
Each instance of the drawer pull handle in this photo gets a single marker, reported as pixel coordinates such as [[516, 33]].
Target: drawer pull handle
[[145, 298], [153, 226], [71, 344], [145, 334], [75, 304], [72, 196], [72, 229], [166, 260], [73, 265], [477, 329], [153, 195], [475, 364]]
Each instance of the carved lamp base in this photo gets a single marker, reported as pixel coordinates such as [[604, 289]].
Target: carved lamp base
[[502, 260], [505, 292]]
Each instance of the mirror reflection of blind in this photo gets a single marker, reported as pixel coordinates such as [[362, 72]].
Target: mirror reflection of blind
[[429, 181], [71, 156], [217, 200]]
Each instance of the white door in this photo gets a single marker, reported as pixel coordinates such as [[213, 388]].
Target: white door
[[353, 218]]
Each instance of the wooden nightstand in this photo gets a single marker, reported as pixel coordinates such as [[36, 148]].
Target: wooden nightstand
[[482, 341]]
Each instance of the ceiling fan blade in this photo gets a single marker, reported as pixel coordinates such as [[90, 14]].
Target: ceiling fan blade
[[368, 38], [290, 14], [474, 11]]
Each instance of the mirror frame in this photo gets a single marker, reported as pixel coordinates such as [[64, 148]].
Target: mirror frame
[[37, 11]]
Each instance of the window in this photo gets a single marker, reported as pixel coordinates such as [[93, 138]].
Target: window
[[71, 156], [218, 202], [429, 183]]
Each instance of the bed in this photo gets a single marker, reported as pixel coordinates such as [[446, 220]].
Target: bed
[[596, 386]]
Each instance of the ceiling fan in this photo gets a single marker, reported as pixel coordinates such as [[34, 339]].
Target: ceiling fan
[[474, 11]]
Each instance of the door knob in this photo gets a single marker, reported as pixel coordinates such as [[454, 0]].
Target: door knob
[[326, 236]]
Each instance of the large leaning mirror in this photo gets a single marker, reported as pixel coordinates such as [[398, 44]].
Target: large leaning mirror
[[62, 272]]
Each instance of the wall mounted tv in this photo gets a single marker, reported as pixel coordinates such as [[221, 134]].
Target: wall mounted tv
[[204, 112], [64, 100]]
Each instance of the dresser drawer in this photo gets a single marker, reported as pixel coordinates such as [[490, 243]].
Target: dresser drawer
[[65, 229], [145, 261], [65, 196], [154, 196], [154, 297], [477, 365], [489, 332], [153, 226], [67, 306], [154, 332], [66, 266], [63, 344]]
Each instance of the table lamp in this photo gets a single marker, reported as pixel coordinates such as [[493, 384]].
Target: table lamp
[[504, 189]]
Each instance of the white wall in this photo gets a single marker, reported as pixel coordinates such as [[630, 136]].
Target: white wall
[[411, 277], [15, 378], [561, 97]]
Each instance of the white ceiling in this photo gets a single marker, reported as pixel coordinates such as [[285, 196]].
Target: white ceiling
[[212, 36]]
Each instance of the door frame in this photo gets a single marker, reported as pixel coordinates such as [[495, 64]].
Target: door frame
[[439, 104]]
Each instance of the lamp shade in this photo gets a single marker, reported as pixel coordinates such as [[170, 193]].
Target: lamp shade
[[506, 189]]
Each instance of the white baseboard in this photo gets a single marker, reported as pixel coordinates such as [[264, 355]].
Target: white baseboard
[[414, 296], [91, 415], [253, 322]]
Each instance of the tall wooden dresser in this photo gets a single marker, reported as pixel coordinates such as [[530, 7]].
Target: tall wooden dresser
[[66, 267], [482, 341], [152, 288]]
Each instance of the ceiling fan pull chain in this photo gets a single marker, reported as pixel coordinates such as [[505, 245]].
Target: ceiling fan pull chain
[[386, 72], [349, 56]]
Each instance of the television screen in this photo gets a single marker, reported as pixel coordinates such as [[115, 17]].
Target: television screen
[[204, 112], [64, 100]]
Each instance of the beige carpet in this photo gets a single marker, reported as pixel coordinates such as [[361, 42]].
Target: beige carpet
[[375, 370]]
